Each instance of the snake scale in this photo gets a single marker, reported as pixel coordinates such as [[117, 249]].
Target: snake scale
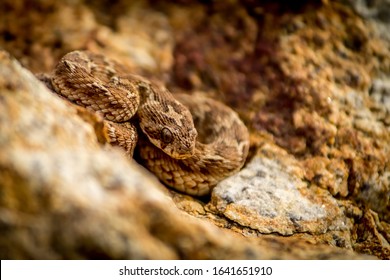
[[189, 142]]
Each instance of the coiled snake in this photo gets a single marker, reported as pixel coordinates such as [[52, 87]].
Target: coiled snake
[[189, 142]]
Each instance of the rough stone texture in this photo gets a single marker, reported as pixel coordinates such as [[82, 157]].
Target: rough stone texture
[[62, 196], [266, 198], [377, 11], [309, 78]]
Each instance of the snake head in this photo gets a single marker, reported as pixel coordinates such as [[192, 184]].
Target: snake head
[[167, 123]]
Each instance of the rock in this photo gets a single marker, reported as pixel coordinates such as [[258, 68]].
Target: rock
[[263, 196], [63, 195], [58, 191], [303, 84], [310, 80], [378, 12]]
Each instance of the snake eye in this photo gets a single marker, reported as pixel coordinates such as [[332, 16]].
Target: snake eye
[[166, 135]]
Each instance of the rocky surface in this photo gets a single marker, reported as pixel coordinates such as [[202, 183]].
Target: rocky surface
[[310, 80], [264, 197], [62, 196]]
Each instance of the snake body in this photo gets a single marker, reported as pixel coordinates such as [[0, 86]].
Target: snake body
[[189, 142]]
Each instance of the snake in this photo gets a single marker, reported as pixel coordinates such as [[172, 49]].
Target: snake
[[189, 141]]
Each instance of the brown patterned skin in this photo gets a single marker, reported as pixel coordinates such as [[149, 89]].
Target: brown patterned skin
[[187, 159], [220, 150]]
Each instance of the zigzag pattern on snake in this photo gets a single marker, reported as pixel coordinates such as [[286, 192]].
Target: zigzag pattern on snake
[[189, 142]]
